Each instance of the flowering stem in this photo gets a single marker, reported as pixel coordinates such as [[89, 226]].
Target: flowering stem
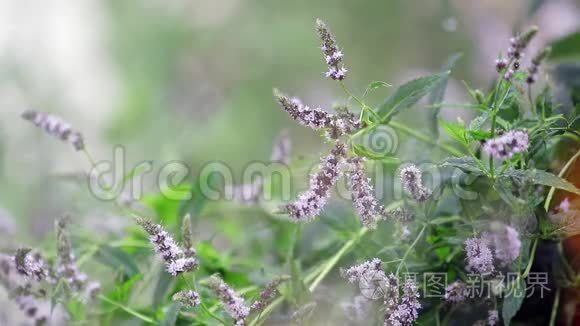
[[334, 259], [202, 305], [411, 248], [318, 273], [90, 158], [495, 110]]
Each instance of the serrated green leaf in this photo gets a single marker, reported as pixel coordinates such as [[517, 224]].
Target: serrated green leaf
[[543, 178], [566, 48], [407, 95], [438, 93], [455, 131], [512, 302]]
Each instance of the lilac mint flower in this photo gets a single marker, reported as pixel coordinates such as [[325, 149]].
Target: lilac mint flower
[[492, 318], [172, 255], [233, 303], [56, 127], [506, 243], [67, 268], [269, 293], [30, 264], [313, 118], [407, 310], [332, 55], [357, 272], [362, 193], [456, 292], [536, 61], [479, 256], [310, 203], [411, 181], [187, 298], [507, 145]]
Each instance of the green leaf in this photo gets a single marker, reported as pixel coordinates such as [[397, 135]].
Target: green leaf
[[543, 178], [361, 150], [438, 93], [465, 163], [566, 48], [122, 291], [455, 131], [408, 94], [513, 301], [163, 284], [117, 259], [375, 84], [445, 219], [197, 202]]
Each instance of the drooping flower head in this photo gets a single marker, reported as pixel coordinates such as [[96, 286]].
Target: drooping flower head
[[176, 262], [56, 127], [362, 193], [479, 256], [269, 293], [411, 181], [233, 303], [310, 203], [364, 270], [313, 118], [332, 55], [507, 145]]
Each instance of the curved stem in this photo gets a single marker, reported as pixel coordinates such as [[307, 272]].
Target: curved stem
[[318, 273], [334, 259], [555, 306], [411, 248], [424, 138], [561, 174], [127, 309]]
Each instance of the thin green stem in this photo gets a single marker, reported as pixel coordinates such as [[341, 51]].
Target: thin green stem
[[127, 309], [334, 259], [90, 158], [495, 110], [422, 137], [361, 103], [561, 174], [318, 273], [411, 248], [555, 306]]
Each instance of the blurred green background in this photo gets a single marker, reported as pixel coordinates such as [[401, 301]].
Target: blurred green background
[[192, 80]]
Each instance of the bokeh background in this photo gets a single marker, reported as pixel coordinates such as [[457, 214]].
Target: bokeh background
[[192, 81]]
